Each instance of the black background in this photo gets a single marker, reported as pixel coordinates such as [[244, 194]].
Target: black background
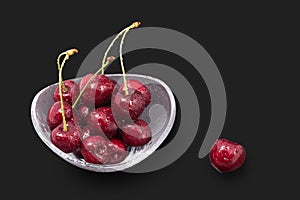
[[251, 43]]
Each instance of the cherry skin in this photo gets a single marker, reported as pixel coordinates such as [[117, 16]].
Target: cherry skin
[[135, 86], [101, 121], [227, 156], [67, 141], [98, 91], [127, 107], [95, 149], [69, 94], [81, 114], [54, 116], [117, 151], [137, 133]]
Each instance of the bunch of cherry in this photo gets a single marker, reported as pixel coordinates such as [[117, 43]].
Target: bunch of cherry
[[92, 130], [98, 119]]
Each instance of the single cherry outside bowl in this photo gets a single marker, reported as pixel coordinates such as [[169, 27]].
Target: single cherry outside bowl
[[159, 114]]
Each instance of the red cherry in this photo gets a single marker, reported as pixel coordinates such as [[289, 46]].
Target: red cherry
[[67, 141], [135, 86], [54, 116], [81, 114], [98, 91], [101, 121], [69, 92], [127, 107], [94, 149], [117, 151], [227, 156], [137, 133]]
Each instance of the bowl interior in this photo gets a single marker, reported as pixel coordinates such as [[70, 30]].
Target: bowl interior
[[159, 114]]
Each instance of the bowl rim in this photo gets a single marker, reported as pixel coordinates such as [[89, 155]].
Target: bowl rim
[[102, 167]]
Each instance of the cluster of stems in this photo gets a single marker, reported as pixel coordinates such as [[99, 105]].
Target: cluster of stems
[[105, 63]]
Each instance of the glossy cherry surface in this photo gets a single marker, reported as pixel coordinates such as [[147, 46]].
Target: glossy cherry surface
[[94, 149], [137, 133], [98, 91], [81, 114], [227, 156], [54, 116], [127, 107], [101, 121], [117, 151], [135, 86], [69, 92], [67, 141]]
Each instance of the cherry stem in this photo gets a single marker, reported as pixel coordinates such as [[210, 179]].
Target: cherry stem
[[108, 61], [133, 25], [122, 63], [64, 89], [108, 49], [61, 86]]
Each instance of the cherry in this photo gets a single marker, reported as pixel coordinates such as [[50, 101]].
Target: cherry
[[67, 141], [137, 133], [69, 92], [60, 113], [227, 156], [117, 150], [81, 114], [137, 87], [127, 107], [66, 135], [94, 149], [132, 97], [98, 91], [95, 90], [101, 121], [54, 116], [99, 87]]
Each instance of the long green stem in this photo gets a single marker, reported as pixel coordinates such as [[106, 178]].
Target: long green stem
[[67, 54], [60, 83], [64, 89], [122, 63], [133, 25], [108, 49]]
